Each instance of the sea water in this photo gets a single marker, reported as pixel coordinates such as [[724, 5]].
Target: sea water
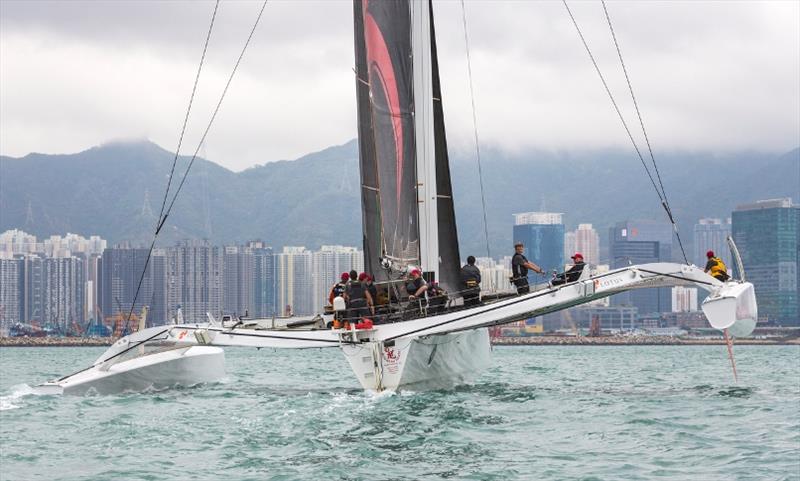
[[550, 413]]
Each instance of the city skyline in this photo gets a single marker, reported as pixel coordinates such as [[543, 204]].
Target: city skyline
[[71, 278]]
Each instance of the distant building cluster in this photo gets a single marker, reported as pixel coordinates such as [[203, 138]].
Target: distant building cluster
[[65, 283], [71, 280], [767, 234], [46, 280]]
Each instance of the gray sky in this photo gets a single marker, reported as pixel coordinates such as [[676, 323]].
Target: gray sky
[[707, 75]]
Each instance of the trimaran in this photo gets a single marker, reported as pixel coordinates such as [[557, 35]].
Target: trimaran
[[408, 220]]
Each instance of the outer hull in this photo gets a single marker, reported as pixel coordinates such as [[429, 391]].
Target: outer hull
[[733, 307], [183, 366], [439, 361]]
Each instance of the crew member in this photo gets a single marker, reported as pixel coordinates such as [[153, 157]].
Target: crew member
[[416, 285], [519, 269], [437, 298], [716, 267], [359, 300], [339, 288], [573, 273], [471, 277], [416, 288], [372, 288], [353, 276]]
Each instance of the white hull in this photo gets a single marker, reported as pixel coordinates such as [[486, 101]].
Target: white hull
[[183, 366], [732, 307], [440, 361], [434, 352]]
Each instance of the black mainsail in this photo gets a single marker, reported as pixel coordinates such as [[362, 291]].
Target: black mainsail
[[388, 146]]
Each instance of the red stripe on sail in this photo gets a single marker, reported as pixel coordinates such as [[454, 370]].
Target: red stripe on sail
[[378, 56]]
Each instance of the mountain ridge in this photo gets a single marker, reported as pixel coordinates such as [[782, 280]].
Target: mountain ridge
[[115, 191]]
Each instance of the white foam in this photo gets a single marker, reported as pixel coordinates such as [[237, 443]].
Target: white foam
[[373, 396], [17, 392]]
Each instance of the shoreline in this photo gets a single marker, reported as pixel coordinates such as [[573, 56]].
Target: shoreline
[[636, 341], [55, 341], [501, 341]]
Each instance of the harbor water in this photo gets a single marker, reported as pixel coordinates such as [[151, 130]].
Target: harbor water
[[540, 413]]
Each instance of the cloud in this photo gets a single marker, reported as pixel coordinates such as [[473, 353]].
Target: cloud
[[716, 75]]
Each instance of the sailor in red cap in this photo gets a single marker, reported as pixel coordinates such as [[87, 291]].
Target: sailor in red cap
[[573, 273], [416, 287], [338, 289]]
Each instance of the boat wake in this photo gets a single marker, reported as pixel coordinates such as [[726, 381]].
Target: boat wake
[[18, 392]]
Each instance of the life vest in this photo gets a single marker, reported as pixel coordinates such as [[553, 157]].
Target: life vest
[[718, 270], [413, 285], [518, 268], [337, 291], [357, 296]]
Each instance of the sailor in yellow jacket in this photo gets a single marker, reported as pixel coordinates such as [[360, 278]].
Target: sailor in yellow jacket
[[716, 267]]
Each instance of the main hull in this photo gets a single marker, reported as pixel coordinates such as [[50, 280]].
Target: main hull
[[424, 363]]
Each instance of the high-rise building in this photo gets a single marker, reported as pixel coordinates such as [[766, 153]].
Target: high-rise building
[[767, 234], [238, 281], [641, 242], [711, 234], [543, 236], [495, 274], [570, 244], [194, 280], [159, 309], [120, 272], [35, 288], [46, 290], [72, 244], [12, 288], [263, 280], [684, 299], [64, 287], [15, 241], [587, 242], [328, 263], [293, 275], [93, 266]]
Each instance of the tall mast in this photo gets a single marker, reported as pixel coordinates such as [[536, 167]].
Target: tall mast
[[425, 144]]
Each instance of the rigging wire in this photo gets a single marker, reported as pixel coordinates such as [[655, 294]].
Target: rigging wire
[[661, 195], [165, 213], [613, 102], [160, 220], [475, 128], [216, 110], [666, 205], [186, 117]]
